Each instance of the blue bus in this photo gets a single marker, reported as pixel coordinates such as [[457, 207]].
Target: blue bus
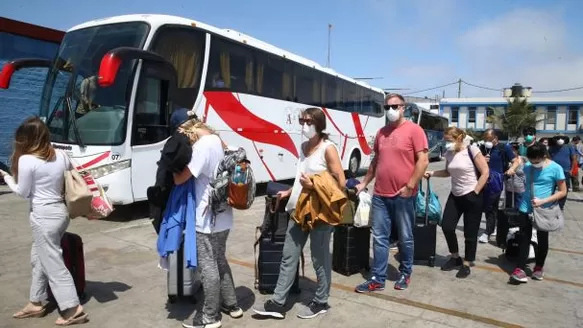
[[434, 125]]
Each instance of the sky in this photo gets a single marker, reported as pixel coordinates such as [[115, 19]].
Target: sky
[[410, 44]]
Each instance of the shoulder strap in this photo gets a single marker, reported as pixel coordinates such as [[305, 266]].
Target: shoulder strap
[[505, 161], [473, 162], [531, 183]]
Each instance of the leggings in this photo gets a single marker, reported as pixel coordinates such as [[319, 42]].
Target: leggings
[[470, 205], [524, 248]]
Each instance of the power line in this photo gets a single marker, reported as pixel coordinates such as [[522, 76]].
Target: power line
[[429, 89], [559, 90], [482, 87]]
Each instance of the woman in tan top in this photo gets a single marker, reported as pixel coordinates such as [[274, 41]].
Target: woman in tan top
[[469, 172]]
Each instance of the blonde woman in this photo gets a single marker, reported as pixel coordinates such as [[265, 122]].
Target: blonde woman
[[211, 235], [465, 198], [39, 176]]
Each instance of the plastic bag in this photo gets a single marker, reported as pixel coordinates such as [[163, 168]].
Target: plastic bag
[[361, 218]]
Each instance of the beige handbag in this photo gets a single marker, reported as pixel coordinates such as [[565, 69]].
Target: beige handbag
[[78, 197]]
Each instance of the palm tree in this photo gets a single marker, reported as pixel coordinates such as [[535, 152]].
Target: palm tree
[[519, 115]]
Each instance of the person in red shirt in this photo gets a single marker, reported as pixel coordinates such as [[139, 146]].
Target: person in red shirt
[[400, 160]]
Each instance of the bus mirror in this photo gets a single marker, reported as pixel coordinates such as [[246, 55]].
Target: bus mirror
[[112, 60], [15, 65]]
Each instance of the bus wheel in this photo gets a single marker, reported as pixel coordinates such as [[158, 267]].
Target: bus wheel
[[354, 163]]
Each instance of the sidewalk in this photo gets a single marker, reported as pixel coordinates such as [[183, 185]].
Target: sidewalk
[[126, 289]]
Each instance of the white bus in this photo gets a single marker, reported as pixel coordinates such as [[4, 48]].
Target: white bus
[[433, 124], [111, 89]]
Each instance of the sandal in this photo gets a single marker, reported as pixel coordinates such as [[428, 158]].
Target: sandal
[[24, 313], [78, 318]]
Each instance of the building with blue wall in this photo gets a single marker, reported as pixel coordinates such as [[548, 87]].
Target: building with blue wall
[[22, 99], [558, 115]]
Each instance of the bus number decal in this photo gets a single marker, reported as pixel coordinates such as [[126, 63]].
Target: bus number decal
[[115, 157]]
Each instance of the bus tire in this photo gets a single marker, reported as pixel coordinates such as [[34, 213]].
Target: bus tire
[[354, 163]]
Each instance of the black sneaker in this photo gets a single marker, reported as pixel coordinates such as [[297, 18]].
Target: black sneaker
[[452, 263], [196, 323], [313, 310], [464, 272], [270, 309], [234, 311]]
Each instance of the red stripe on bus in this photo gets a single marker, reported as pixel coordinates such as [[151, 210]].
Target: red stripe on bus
[[262, 161], [247, 124], [94, 161], [360, 134]]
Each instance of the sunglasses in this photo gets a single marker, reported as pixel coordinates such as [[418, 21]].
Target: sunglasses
[[307, 121], [387, 107]]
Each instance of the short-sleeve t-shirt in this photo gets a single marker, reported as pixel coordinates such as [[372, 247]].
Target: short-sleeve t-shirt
[[395, 148], [496, 162], [545, 180], [207, 153], [462, 170]]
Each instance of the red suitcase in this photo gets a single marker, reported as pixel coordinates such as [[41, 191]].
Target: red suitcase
[[74, 258]]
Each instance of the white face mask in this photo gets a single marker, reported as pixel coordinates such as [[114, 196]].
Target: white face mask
[[537, 165], [488, 144], [449, 145], [560, 142], [309, 131], [393, 115]]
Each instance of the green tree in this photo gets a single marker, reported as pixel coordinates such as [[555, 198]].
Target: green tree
[[519, 115]]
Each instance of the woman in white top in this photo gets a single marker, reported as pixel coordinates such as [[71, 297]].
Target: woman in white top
[[39, 176], [318, 154], [465, 198]]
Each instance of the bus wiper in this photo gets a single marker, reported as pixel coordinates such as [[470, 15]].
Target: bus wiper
[[73, 120]]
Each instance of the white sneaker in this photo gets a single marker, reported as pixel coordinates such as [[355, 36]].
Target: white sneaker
[[493, 233], [483, 238]]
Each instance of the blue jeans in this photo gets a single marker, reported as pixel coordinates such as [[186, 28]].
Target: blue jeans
[[387, 211]]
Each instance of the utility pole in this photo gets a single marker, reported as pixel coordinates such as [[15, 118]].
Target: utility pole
[[459, 88], [329, 34]]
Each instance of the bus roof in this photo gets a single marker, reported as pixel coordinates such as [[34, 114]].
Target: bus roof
[[158, 20]]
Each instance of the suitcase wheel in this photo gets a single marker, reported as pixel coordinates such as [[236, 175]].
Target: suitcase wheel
[[172, 299], [432, 261]]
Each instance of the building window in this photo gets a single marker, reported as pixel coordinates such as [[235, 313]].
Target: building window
[[455, 112], [472, 115], [573, 115], [489, 112], [551, 115]]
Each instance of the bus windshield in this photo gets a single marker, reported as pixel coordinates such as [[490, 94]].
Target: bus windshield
[[75, 107]]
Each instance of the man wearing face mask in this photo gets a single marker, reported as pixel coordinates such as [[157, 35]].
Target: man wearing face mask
[[565, 155], [529, 135], [501, 161], [400, 160]]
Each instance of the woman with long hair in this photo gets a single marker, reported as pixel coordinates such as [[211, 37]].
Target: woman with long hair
[[38, 175], [548, 179], [318, 154], [465, 198], [211, 235]]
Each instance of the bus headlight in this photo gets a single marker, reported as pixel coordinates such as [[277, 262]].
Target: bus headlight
[[101, 171]]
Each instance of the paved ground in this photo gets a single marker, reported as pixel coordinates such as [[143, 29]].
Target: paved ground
[[125, 287]]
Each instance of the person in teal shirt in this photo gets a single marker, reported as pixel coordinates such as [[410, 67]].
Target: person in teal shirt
[[529, 135], [548, 180]]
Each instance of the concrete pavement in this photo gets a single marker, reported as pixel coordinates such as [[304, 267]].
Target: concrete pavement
[[125, 287]]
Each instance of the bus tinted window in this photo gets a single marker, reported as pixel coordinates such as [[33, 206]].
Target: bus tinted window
[[184, 48], [433, 122], [307, 85], [240, 68]]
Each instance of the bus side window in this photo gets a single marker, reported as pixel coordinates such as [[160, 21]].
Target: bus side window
[[150, 114]]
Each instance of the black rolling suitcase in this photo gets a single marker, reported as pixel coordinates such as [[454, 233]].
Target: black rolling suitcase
[[351, 245], [425, 235], [270, 239]]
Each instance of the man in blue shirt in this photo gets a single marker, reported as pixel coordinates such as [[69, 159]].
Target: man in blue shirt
[[502, 164], [566, 156]]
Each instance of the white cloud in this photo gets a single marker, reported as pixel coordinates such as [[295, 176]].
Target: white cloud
[[528, 46]]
